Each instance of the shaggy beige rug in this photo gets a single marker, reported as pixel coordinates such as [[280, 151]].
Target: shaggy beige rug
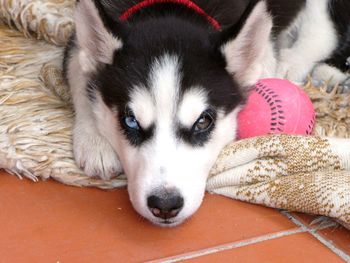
[[307, 174]]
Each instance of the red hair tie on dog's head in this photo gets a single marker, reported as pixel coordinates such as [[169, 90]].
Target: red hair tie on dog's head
[[132, 10]]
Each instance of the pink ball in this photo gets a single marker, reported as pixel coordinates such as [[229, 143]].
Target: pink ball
[[276, 106]]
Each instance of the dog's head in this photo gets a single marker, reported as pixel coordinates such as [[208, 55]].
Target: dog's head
[[166, 93]]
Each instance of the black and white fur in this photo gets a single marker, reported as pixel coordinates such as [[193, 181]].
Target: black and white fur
[[157, 96]]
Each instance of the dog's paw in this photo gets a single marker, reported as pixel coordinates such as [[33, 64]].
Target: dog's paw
[[327, 73], [292, 67], [96, 156]]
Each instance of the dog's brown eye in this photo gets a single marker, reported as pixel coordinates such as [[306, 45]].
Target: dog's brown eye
[[204, 122]]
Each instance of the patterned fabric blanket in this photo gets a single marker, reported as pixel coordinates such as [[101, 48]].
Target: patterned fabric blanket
[[306, 174]]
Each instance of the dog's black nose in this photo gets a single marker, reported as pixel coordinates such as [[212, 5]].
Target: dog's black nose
[[165, 204]]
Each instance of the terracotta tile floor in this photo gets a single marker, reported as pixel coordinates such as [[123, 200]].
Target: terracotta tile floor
[[51, 222]]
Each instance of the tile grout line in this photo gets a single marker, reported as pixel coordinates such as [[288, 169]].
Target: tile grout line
[[300, 223], [321, 239], [332, 247], [228, 246]]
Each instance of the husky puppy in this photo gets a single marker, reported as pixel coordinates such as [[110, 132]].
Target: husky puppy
[[157, 84]]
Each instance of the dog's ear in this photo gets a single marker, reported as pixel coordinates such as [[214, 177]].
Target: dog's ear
[[96, 42], [245, 44]]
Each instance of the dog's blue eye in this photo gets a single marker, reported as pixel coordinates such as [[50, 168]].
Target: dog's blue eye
[[131, 123]]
